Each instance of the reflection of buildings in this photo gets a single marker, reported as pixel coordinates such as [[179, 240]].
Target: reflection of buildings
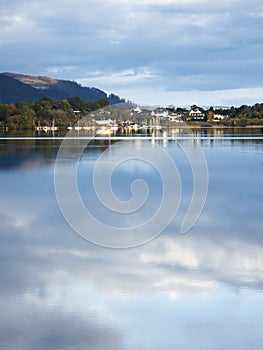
[[218, 132], [174, 131]]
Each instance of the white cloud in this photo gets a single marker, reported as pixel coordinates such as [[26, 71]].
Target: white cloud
[[162, 2], [14, 27], [159, 95], [119, 79], [175, 45], [60, 69]]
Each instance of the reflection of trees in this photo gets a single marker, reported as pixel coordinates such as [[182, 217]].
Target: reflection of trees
[[28, 152], [33, 152]]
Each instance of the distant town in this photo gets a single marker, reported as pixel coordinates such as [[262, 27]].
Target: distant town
[[75, 113]]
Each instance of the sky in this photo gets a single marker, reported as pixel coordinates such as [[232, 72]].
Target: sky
[[177, 52]]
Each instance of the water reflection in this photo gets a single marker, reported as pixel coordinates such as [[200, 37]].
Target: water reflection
[[202, 290]]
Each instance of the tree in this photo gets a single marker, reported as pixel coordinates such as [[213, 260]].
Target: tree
[[210, 115]]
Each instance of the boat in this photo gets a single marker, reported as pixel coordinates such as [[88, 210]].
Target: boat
[[104, 131]]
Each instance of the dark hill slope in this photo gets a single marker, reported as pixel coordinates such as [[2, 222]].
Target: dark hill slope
[[12, 91], [27, 88], [64, 89]]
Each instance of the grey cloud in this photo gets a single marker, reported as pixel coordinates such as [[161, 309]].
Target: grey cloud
[[199, 45]]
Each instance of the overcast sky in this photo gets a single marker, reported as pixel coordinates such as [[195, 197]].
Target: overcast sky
[[150, 51]]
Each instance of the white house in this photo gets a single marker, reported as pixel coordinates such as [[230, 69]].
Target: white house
[[160, 113], [175, 118], [219, 117], [137, 110], [197, 114], [104, 122]]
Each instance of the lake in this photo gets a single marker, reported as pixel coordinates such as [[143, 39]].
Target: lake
[[158, 289]]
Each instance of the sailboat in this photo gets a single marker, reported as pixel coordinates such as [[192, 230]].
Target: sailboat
[[53, 127], [78, 127]]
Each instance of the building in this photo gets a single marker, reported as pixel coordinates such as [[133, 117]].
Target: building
[[176, 118], [160, 113], [197, 114], [104, 122], [218, 117], [136, 110]]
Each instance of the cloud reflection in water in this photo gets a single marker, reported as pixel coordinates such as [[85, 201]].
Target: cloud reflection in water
[[196, 291]]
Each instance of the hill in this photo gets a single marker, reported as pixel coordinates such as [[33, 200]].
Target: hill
[[16, 88]]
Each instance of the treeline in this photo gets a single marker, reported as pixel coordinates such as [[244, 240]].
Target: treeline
[[233, 116], [22, 116], [239, 116], [27, 116]]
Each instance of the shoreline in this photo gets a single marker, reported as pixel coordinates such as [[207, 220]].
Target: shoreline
[[223, 127]]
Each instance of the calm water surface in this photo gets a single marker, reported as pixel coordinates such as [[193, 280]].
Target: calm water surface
[[202, 290]]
